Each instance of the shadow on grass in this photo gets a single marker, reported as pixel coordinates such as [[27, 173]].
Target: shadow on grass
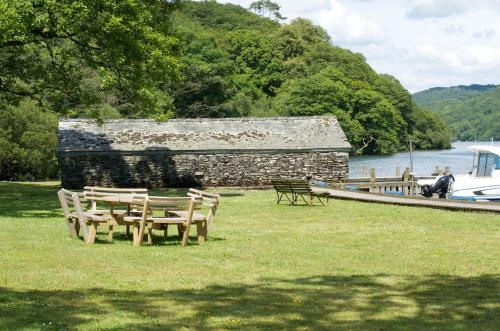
[[31, 200], [173, 239], [324, 302], [231, 194]]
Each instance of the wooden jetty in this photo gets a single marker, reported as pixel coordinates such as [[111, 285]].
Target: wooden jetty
[[405, 184], [401, 190], [411, 201]]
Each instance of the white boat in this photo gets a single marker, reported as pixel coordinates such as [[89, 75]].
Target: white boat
[[481, 184]]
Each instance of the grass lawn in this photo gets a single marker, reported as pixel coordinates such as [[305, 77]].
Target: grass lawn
[[347, 266]]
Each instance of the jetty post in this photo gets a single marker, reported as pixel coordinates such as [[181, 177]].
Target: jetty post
[[364, 171], [373, 175], [411, 155]]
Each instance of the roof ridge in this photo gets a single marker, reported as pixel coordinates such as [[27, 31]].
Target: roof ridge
[[235, 119]]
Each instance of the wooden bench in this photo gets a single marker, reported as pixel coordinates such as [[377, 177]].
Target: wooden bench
[[151, 221], [209, 200], [95, 194], [293, 189], [77, 219]]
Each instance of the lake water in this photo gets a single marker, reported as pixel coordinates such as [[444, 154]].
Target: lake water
[[424, 162]]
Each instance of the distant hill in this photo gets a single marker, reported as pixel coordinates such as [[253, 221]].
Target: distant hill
[[470, 111]]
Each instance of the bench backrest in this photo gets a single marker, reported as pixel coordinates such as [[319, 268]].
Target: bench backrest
[[152, 203], [210, 200], [173, 203], [96, 193], [283, 185], [71, 205], [67, 203]]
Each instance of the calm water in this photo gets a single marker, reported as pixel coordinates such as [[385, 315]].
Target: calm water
[[424, 162]]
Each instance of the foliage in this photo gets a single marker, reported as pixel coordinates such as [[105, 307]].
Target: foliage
[[364, 267], [429, 131], [471, 111], [203, 89], [213, 17], [28, 142], [76, 56], [268, 9]]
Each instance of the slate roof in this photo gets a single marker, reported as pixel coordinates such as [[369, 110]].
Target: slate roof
[[188, 135]]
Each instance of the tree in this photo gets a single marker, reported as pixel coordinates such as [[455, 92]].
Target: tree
[[381, 122], [268, 9], [429, 131], [299, 36], [257, 60], [28, 139], [204, 88], [71, 56]]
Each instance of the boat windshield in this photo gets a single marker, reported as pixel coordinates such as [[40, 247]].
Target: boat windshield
[[485, 164]]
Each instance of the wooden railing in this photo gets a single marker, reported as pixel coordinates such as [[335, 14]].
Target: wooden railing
[[405, 184]]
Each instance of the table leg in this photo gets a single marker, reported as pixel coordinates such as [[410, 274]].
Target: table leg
[[110, 235], [150, 233], [135, 230], [92, 234], [200, 232], [180, 230], [205, 229], [112, 221]]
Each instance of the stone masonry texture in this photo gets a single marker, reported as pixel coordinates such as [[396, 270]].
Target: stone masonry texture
[[183, 170]]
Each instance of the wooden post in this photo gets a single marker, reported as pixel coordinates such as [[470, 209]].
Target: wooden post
[[406, 177], [373, 179], [406, 174], [364, 172], [437, 171], [398, 172], [447, 171]]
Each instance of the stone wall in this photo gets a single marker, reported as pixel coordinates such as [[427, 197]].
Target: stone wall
[[166, 169]]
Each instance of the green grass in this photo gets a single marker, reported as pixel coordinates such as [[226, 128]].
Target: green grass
[[265, 266]]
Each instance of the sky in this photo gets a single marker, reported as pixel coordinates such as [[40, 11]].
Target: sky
[[423, 43]]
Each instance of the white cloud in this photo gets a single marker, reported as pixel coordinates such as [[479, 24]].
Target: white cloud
[[454, 29], [300, 8], [484, 34], [436, 66], [435, 8], [349, 28]]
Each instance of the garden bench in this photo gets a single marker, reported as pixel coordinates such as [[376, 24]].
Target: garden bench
[[77, 219], [209, 200], [293, 189], [169, 207]]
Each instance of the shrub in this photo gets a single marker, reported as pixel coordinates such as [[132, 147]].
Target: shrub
[[28, 139]]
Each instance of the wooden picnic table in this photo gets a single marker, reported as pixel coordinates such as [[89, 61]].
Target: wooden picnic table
[[114, 200]]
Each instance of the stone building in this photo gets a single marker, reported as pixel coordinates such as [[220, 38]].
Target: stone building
[[210, 152]]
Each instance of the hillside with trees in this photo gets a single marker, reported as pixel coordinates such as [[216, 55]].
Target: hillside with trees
[[472, 112], [162, 59]]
